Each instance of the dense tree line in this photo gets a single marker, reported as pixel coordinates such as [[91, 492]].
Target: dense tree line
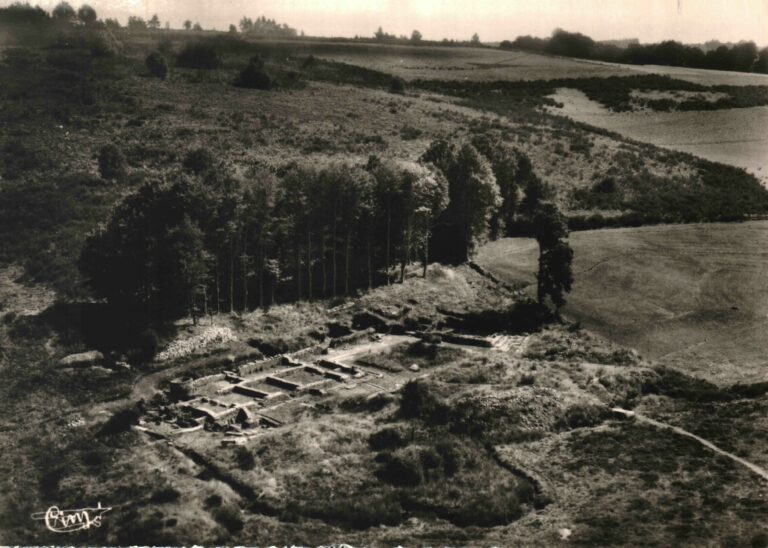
[[20, 15], [262, 26], [742, 57], [212, 242]]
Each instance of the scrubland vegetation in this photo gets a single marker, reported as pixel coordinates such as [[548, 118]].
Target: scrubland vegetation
[[194, 201]]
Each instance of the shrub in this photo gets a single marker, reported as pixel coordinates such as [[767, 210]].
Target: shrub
[[93, 457], [229, 518], [409, 133], [165, 495], [213, 501], [257, 61], [254, 77], [423, 349], [397, 85], [606, 186], [431, 459], [403, 467], [49, 481], [244, 459], [759, 540], [197, 161], [526, 379], [157, 65], [120, 421], [584, 416], [387, 438], [111, 162], [418, 401], [455, 456], [148, 345], [198, 56], [165, 46]]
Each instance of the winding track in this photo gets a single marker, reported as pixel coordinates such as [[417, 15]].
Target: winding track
[[677, 430]]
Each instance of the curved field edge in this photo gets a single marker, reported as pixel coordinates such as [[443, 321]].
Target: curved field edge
[[691, 296]]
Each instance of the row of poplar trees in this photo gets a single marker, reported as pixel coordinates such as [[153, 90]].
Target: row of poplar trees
[[214, 242]]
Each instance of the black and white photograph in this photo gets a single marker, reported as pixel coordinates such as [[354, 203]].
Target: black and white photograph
[[384, 273]]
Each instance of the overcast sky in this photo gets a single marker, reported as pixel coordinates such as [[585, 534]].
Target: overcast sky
[[493, 20]]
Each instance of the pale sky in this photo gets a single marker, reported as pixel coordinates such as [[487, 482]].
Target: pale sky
[[494, 20]]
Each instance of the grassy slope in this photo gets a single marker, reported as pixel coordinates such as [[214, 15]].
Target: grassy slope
[[693, 296]]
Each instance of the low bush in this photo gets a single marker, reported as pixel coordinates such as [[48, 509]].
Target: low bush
[[254, 77], [759, 540], [423, 349], [409, 133], [212, 501], [403, 467], [391, 437], [244, 459], [397, 85], [157, 65], [165, 46], [165, 495], [198, 161], [583, 416], [147, 345], [198, 56], [120, 421], [754, 390], [230, 518], [112, 164], [94, 457], [418, 400]]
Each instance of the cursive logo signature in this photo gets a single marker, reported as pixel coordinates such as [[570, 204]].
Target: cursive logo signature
[[68, 521]]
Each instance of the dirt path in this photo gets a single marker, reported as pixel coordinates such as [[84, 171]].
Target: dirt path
[[677, 430]]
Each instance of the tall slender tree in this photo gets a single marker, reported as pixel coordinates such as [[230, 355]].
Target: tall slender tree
[[555, 277]]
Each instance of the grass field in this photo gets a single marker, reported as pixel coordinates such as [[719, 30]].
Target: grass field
[[485, 64], [691, 296], [705, 76], [466, 63], [734, 136]]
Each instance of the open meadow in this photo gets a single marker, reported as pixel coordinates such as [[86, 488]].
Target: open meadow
[[489, 64], [691, 296], [462, 63]]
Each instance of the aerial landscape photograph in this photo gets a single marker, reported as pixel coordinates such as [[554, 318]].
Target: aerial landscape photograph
[[387, 273]]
